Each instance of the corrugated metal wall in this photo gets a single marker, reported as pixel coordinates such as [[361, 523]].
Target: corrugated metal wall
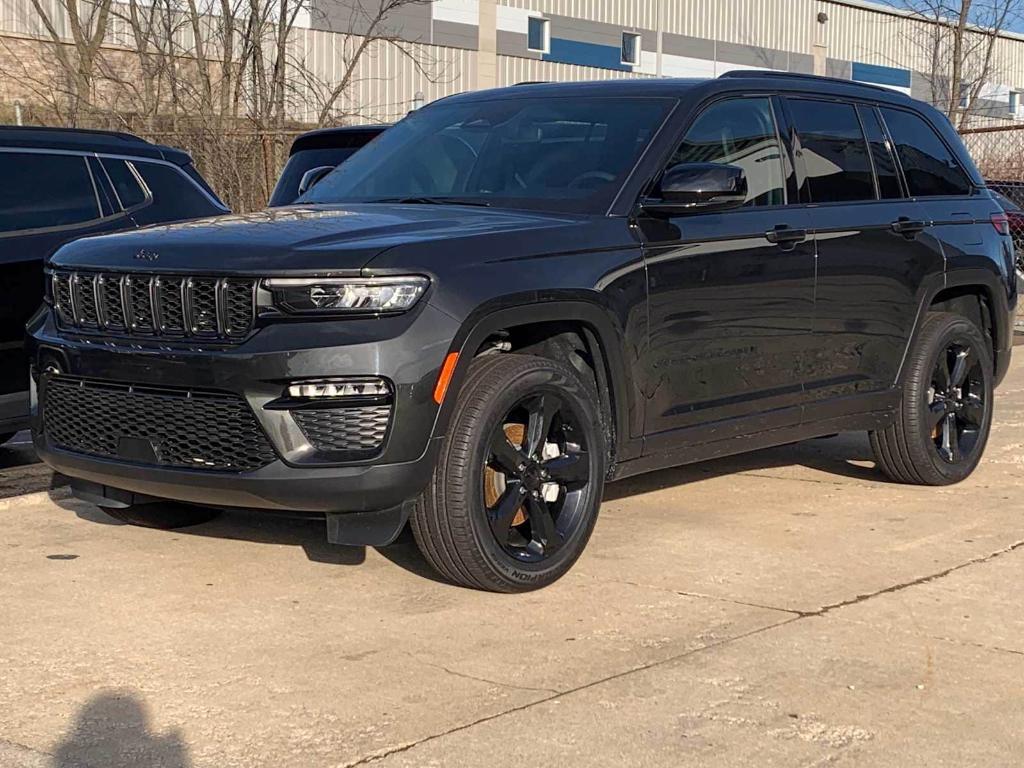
[[387, 77], [624, 13], [512, 70], [780, 24]]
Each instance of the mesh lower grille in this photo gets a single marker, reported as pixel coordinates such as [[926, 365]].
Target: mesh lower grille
[[358, 430], [197, 430]]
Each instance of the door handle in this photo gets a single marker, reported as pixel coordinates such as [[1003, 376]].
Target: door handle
[[784, 235], [907, 227]]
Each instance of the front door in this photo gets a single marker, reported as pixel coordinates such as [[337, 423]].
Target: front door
[[731, 293]]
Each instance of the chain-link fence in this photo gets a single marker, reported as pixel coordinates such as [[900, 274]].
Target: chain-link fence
[[999, 154]]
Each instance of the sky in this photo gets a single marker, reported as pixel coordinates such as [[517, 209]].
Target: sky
[[1016, 26]]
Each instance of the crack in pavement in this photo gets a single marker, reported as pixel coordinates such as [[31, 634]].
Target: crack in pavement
[[795, 616], [912, 583], [387, 752], [468, 676]]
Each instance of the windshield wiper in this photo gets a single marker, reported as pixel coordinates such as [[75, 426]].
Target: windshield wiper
[[424, 200]]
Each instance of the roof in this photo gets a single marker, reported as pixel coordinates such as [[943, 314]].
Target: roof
[[736, 80], [337, 138], [112, 142]]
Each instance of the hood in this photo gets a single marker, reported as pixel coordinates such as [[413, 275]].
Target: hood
[[318, 240]]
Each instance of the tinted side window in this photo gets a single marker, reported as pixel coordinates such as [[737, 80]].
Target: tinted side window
[[928, 166], [175, 197], [739, 132], [834, 151], [122, 175], [881, 153], [41, 191]]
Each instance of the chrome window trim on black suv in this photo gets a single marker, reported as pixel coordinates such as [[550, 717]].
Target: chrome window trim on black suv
[[541, 350]]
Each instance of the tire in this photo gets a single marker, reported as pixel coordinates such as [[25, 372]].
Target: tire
[[165, 516], [5, 436], [915, 449], [459, 522]]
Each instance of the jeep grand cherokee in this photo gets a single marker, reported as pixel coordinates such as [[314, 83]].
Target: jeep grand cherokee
[[513, 296]]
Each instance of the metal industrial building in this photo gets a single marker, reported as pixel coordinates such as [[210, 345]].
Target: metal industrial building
[[456, 45], [488, 43]]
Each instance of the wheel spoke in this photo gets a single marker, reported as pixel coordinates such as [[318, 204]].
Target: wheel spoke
[[950, 439], [542, 410], [959, 374], [973, 412], [501, 515], [570, 469], [508, 457], [936, 412], [942, 373], [542, 526]]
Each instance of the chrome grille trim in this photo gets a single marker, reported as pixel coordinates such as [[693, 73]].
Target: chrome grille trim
[[172, 306]]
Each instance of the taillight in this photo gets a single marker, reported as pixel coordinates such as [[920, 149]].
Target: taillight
[[1001, 222]]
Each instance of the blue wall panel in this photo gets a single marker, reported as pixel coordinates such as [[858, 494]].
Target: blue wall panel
[[873, 73], [586, 54]]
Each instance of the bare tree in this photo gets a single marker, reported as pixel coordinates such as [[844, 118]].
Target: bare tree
[[959, 40], [227, 79]]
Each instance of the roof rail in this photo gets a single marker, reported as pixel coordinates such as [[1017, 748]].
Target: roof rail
[[532, 82], [774, 75], [76, 131]]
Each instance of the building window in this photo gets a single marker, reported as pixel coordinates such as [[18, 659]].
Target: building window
[[1015, 103], [538, 35], [631, 48]]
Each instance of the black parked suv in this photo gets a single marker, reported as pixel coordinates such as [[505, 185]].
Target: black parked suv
[[513, 296], [315, 154], [60, 184]]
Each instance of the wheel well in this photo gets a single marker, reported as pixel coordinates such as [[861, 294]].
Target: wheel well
[[974, 303], [566, 341]]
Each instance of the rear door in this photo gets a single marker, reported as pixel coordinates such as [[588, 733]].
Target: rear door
[[958, 214], [45, 200], [731, 293], [874, 250]]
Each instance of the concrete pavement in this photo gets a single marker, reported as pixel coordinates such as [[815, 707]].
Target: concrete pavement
[[786, 608]]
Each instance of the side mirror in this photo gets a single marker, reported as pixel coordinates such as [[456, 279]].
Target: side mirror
[[699, 187], [312, 176]]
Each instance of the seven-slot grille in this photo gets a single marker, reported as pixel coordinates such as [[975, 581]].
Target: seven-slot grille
[[161, 305]]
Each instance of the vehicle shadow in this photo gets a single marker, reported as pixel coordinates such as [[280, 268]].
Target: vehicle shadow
[[845, 455], [113, 729]]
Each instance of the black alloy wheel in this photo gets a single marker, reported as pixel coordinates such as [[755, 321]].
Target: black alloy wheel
[[518, 481], [536, 477], [941, 425], [957, 402]]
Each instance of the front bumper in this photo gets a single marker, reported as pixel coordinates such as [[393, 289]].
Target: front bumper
[[407, 350]]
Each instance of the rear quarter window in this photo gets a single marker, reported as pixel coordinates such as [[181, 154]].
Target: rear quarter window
[[175, 196], [125, 181], [929, 166]]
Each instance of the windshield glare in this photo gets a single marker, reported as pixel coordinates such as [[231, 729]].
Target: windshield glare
[[544, 153]]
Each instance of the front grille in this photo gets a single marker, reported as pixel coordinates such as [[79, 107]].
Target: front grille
[[359, 430], [154, 425], [163, 305]]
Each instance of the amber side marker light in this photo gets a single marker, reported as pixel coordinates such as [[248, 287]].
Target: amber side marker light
[[447, 369]]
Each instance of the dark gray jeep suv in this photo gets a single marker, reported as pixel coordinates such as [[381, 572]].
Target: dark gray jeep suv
[[513, 296]]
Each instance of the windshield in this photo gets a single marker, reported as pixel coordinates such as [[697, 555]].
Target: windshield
[[550, 154]]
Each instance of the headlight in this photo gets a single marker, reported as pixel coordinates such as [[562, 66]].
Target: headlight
[[346, 294]]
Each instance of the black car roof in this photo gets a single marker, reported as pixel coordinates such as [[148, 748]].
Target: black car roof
[[736, 80], [337, 138], [108, 142]]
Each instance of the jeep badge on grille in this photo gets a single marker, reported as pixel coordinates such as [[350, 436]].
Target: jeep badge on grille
[[145, 255]]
